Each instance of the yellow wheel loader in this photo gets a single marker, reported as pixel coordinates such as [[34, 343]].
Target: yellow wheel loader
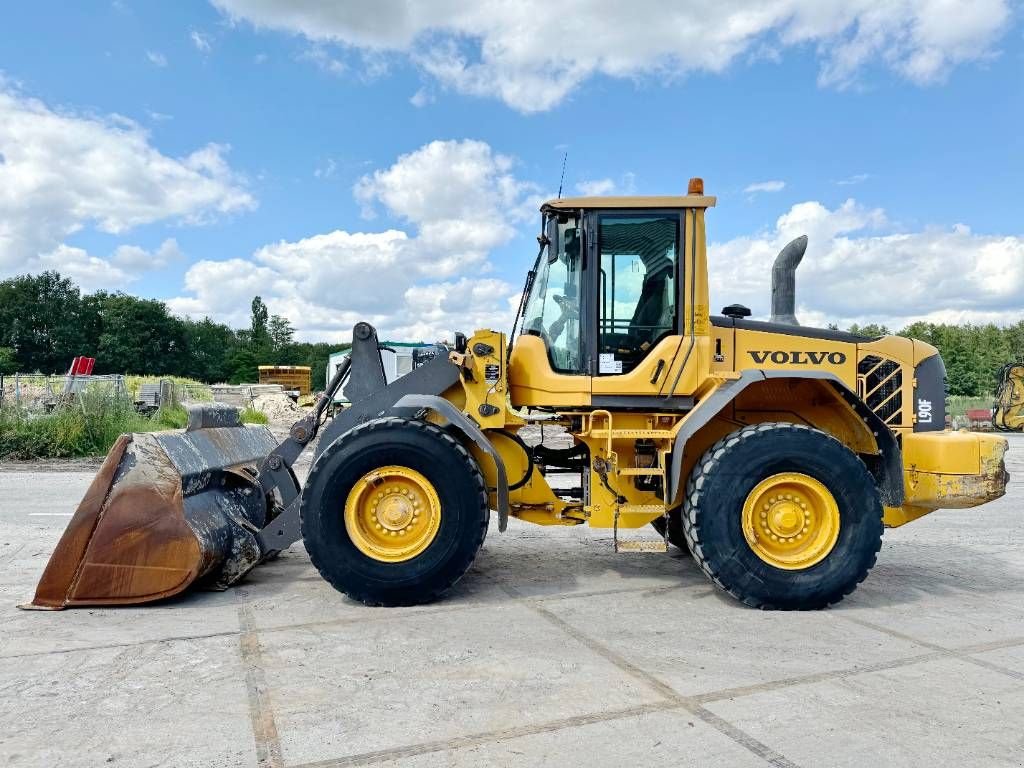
[[1008, 409], [774, 453]]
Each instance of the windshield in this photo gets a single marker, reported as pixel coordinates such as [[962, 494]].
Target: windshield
[[553, 308]]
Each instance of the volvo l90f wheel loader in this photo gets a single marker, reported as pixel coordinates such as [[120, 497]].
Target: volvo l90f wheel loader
[[774, 453]]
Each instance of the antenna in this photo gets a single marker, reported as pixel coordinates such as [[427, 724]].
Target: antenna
[[561, 181]]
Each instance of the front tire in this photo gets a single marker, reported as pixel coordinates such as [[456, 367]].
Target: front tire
[[783, 516], [394, 512]]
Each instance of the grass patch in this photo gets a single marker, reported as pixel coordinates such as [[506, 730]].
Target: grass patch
[[86, 427], [252, 416]]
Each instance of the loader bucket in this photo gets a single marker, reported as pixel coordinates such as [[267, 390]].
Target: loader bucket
[[166, 509]]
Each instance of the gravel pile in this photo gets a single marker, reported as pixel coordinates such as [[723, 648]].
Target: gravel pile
[[278, 406]]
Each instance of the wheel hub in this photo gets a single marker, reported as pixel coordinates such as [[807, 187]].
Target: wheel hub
[[395, 509], [791, 521], [392, 514]]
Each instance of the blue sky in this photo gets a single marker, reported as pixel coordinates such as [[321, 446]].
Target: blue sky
[[199, 153]]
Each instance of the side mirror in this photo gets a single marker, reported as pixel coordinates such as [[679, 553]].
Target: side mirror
[[736, 311]]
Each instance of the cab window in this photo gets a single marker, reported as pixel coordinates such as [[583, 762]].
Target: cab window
[[553, 308], [637, 305]]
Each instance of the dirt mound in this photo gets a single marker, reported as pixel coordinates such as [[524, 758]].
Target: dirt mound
[[279, 407]]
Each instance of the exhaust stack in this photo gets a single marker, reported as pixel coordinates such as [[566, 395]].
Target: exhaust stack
[[784, 281]]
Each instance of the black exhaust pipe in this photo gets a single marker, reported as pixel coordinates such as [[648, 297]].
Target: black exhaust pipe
[[784, 281]]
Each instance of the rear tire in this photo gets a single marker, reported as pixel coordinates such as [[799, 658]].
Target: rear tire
[[430, 453], [719, 496]]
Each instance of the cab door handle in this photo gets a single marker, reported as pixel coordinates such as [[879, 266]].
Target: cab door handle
[[657, 371]]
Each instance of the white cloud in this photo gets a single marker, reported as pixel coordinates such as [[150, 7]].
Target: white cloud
[[327, 170], [857, 270], [764, 186], [531, 54], [89, 272], [125, 265], [65, 171], [156, 58], [203, 41], [323, 60], [137, 259], [458, 199], [421, 98], [857, 178]]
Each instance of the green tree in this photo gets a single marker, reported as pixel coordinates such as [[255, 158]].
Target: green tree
[[871, 330], [259, 335], [243, 366], [209, 347], [40, 319], [139, 336], [8, 364], [281, 333]]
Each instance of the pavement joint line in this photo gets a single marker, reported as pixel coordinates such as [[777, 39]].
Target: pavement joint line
[[730, 730], [488, 737], [9, 556], [952, 653], [385, 615], [994, 645], [692, 704], [261, 711], [154, 641], [725, 694]]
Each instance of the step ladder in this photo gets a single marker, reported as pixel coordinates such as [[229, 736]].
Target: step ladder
[[648, 543], [640, 542]]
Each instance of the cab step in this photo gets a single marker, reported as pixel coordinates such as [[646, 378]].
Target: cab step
[[641, 545], [638, 545]]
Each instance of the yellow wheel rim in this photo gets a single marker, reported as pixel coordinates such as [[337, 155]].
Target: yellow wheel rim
[[791, 521], [392, 514]]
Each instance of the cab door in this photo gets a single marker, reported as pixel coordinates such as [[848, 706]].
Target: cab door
[[637, 265]]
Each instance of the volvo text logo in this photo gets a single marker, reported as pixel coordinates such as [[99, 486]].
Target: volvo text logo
[[779, 357]]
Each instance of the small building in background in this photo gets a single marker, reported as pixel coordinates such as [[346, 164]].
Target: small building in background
[[398, 357], [294, 379]]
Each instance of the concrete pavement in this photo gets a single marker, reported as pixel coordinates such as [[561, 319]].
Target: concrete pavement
[[552, 651]]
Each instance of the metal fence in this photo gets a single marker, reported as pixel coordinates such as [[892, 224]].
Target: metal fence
[[193, 393], [37, 391]]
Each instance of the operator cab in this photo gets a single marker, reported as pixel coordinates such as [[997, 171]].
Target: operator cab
[[607, 287]]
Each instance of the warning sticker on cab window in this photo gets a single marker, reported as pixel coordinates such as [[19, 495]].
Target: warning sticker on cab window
[[606, 363]]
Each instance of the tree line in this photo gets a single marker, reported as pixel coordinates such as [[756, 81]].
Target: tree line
[[973, 354], [46, 321]]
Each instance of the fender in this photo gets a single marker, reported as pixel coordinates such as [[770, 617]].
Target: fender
[[888, 474], [468, 427]]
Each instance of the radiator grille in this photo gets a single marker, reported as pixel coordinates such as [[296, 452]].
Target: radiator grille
[[881, 385]]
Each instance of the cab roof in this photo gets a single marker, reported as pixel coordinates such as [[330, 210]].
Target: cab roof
[[660, 201]]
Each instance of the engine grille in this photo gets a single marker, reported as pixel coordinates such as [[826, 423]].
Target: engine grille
[[881, 385]]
